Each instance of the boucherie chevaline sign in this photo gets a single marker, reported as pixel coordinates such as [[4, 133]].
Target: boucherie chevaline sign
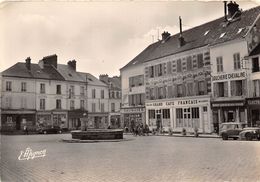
[[229, 76]]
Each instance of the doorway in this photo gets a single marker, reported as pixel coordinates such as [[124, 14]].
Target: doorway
[[18, 123]]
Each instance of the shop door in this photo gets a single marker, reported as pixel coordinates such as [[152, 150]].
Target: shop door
[[18, 123], [255, 117], [187, 117], [97, 122], [158, 119]]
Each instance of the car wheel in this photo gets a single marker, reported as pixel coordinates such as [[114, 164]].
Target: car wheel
[[248, 136], [44, 132], [224, 136]]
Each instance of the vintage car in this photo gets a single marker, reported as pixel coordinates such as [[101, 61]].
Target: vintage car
[[49, 130], [250, 133], [231, 130]]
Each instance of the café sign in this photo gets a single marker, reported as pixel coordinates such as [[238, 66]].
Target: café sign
[[229, 76], [177, 103]]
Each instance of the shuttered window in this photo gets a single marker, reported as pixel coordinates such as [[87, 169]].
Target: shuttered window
[[179, 68], [236, 58], [189, 63], [200, 60], [219, 64]]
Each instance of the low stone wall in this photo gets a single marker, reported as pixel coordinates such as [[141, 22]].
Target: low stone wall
[[98, 134]]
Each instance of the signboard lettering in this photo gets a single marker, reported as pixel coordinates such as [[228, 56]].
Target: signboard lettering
[[229, 76]]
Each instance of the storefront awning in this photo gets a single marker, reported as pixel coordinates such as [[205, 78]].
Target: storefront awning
[[18, 112]]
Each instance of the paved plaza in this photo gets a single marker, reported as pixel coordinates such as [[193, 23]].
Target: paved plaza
[[139, 159]]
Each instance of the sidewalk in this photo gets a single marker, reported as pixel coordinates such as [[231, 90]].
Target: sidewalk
[[180, 135]]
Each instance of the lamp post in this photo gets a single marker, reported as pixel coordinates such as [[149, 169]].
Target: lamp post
[[85, 116]]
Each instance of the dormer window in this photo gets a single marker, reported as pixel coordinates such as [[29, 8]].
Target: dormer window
[[239, 30], [222, 35], [206, 32]]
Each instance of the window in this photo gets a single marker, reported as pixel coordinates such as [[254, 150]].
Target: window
[[166, 113], [219, 64], [160, 72], [179, 90], [151, 71], [102, 94], [8, 86], [72, 93], [136, 81], [58, 104], [189, 63], [112, 107], [102, 107], [118, 95], [42, 104], [8, 102], [82, 104], [200, 60], [179, 117], [72, 105], [152, 93], [93, 93], [179, 65], [256, 88], [201, 87], [58, 89], [93, 107], [220, 89], [236, 58], [151, 114], [23, 86], [205, 109], [195, 113], [169, 68], [255, 65], [190, 89], [82, 91], [42, 88], [112, 94], [236, 88], [23, 102]]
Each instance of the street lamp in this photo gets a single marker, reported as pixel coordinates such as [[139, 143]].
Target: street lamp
[[85, 116]]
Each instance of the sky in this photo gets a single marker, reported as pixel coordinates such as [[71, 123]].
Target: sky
[[101, 36]]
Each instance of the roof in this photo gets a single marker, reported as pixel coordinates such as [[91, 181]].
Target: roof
[[197, 37], [255, 51], [69, 73], [91, 80], [20, 70]]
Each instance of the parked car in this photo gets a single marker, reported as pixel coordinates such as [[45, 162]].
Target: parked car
[[49, 130], [231, 130], [250, 133]]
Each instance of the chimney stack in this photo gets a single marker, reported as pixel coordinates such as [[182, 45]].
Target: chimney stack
[[232, 9], [49, 60], [28, 63], [181, 39], [72, 64], [225, 10], [104, 78], [165, 36]]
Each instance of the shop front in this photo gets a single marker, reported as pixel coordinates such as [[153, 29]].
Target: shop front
[[178, 114], [52, 118], [97, 120], [228, 111], [132, 117], [114, 120], [16, 120], [75, 118], [253, 105]]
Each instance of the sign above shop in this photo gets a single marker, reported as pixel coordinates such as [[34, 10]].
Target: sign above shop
[[253, 102], [177, 103], [131, 110], [229, 76]]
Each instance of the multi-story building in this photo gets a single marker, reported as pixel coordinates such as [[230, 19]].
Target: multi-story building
[[25, 95], [182, 73], [114, 102], [133, 94], [253, 100], [97, 101], [231, 72], [49, 93]]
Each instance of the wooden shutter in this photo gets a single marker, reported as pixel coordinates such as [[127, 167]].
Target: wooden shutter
[[225, 89], [147, 93], [169, 91], [233, 88], [169, 67], [146, 72], [156, 93], [244, 87], [196, 87], [174, 90], [205, 87], [215, 89], [184, 89]]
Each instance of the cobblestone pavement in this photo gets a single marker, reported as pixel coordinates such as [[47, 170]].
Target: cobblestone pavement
[[142, 159]]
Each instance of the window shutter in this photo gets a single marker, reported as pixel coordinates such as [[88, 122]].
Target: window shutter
[[164, 92], [184, 89], [244, 87], [169, 67], [215, 89], [196, 87], [233, 88], [146, 72], [205, 87], [156, 92], [170, 94], [225, 89], [147, 93], [174, 90]]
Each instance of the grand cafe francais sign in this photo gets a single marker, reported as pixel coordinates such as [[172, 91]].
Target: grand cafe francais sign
[[177, 103]]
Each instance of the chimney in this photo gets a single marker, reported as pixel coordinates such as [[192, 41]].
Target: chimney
[[72, 64], [49, 60], [165, 36], [232, 9], [225, 10], [103, 78], [181, 39], [28, 63]]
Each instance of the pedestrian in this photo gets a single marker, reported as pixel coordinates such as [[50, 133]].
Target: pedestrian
[[25, 130]]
